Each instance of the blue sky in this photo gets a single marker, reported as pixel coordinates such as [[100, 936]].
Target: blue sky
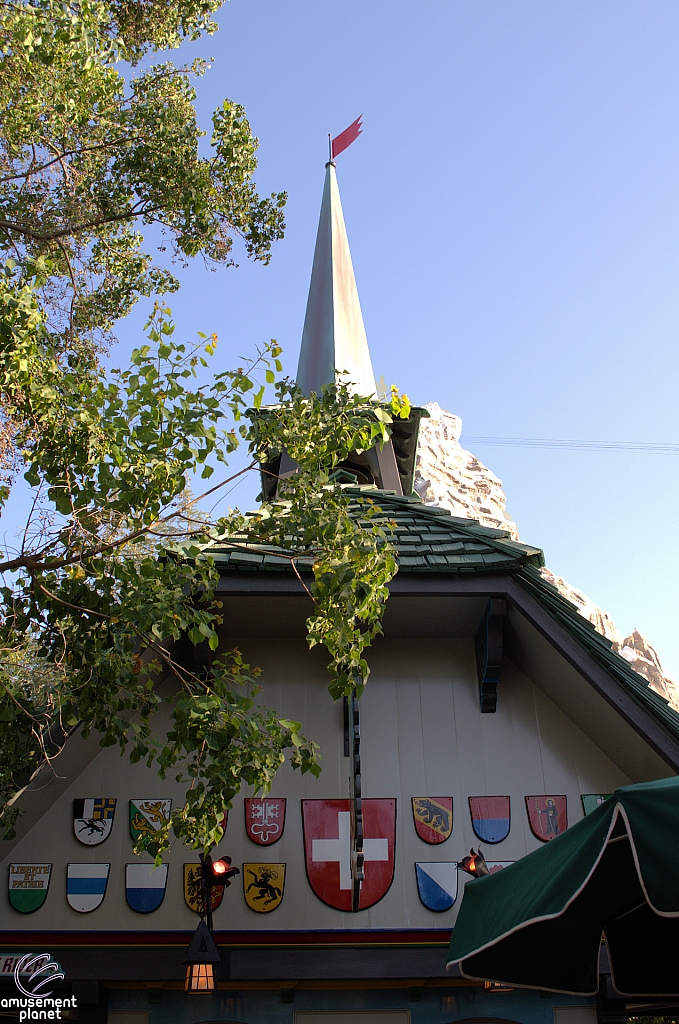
[[513, 212]]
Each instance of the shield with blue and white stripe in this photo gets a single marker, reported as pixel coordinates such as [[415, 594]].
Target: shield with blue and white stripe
[[145, 886], [86, 886], [437, 883]]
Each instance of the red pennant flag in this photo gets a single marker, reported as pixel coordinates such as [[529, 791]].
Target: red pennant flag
[[349, 135]]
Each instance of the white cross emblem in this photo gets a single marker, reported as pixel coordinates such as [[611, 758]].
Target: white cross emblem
[[340, 849]]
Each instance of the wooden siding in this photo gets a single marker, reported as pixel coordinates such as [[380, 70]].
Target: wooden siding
[[422, 735]]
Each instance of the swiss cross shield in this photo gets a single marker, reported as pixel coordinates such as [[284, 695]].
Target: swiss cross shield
[[547, 816], [327, 850], [264, 819]]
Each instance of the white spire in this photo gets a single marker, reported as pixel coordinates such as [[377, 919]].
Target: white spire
[[334, 336]]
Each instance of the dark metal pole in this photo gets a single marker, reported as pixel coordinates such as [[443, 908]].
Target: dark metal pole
[[358, 856], [206, 891]]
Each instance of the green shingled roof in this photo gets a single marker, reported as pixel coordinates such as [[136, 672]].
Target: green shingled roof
[[431, 540], [598, 647], [427, 540]]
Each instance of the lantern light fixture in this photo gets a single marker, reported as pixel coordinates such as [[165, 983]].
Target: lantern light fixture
[[201, 957], [200, 978]]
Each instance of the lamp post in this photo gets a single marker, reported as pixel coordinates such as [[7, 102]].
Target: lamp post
[[202, 953], [201, 957]]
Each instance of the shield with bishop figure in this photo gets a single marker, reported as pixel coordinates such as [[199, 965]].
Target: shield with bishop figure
[[264, 819], [328, 850], [547, 816], [433, 817]]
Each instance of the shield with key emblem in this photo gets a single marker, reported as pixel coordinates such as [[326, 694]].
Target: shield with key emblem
[[265, 819]]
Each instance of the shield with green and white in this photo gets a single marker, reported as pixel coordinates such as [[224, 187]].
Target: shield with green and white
[[28, 886], [148, 816]]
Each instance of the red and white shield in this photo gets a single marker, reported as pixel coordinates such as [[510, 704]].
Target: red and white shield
[[264, 819], [327, 850], [547, 815]]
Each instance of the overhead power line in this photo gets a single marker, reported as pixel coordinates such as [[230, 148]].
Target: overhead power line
[[652, 447]]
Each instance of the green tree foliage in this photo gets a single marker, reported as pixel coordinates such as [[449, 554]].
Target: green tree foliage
[[114, 571], [89, 157], [116, 566]]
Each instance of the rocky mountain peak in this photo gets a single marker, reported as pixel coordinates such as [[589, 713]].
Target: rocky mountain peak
[[448, 476]]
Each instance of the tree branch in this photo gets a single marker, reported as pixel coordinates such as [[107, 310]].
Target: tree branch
[[71, 229], [37, 563]]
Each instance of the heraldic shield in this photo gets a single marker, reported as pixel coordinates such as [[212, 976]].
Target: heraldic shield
[[497, 865], [28, 886], [193, 890], [145, 886], [86, 886], [590, 801], [264, 819], [491, 817], [327, 850], [147, 816], [437, 884], [93, 819], [433, 817], [547, 816], [263, 886]]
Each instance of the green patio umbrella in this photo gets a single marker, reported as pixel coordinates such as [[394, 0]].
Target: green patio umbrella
[[539, 922]]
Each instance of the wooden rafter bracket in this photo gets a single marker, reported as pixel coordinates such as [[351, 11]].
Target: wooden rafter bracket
[[489, 646]]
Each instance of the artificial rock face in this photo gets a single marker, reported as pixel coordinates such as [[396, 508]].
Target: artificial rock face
[[451, 477]]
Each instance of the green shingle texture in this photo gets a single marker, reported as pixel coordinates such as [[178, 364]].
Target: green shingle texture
[[599, 648], [426, 539], [431, 540]]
